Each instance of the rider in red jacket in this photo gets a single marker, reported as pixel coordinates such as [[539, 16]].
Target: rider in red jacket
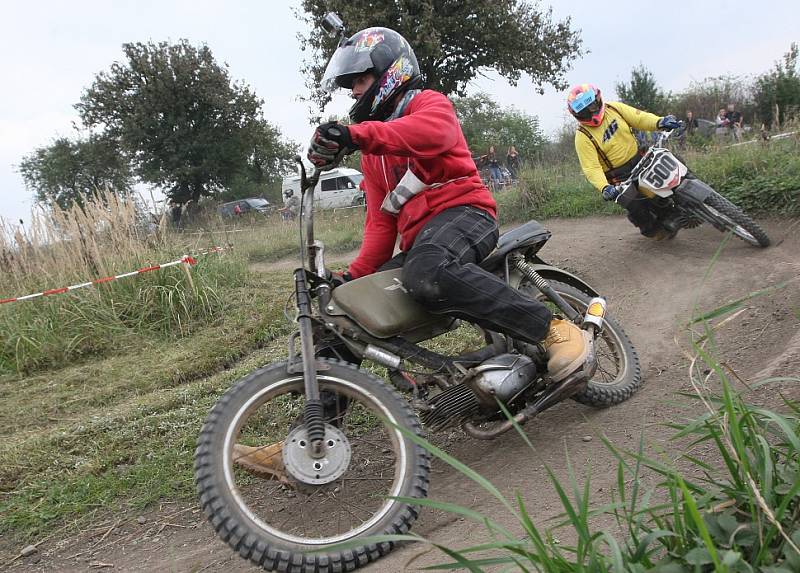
[[421, 183], [427, 147]]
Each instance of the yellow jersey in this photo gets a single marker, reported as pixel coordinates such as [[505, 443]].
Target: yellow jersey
[[614, 138]]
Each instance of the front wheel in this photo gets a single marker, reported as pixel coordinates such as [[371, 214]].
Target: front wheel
[[350, 493], [726, 216], [618, 374]]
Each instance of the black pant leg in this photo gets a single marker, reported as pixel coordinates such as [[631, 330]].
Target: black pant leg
[[441, 272], [641, 214]]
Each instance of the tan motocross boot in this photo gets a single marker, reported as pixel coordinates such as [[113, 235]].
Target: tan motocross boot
[[261, 460], [567, 348]]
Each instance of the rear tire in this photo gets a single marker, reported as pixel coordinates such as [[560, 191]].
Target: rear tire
[[252, 530], [614, 349], [729, 217]]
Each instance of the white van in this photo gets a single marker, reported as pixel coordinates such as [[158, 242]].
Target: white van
[[336, 188]]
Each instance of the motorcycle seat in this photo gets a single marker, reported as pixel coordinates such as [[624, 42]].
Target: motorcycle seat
[[527, 235]]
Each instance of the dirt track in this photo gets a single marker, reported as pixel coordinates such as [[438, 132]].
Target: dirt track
[[651, 288]]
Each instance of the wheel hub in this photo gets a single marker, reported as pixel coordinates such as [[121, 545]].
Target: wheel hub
[[297, 456]]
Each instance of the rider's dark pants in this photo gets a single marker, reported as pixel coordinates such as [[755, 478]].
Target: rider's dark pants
[[641, 214], [640, 210], [440, 271]]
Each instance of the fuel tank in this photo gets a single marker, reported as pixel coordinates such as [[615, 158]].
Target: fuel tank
[[381, 305]]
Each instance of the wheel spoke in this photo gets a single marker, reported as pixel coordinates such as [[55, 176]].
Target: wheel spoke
[[369, 477]]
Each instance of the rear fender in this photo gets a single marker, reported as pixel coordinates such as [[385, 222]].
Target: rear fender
[[552, 273]]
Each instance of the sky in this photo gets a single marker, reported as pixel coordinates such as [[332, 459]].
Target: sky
[[51, 50]]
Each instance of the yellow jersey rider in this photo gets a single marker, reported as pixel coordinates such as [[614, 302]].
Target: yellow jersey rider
[[608, 150]]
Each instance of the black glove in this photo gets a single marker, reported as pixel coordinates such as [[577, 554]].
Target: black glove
[[338, 279], [668, 122], [610, 192], [329, 144]]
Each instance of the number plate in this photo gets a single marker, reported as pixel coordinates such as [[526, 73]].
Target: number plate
[[663, 174]]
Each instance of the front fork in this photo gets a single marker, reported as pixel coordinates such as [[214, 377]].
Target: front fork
[[313, 415]]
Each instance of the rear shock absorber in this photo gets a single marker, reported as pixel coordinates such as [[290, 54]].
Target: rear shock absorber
[[543, 285]]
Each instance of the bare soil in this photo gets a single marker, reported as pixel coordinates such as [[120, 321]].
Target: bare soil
[[652, 288]]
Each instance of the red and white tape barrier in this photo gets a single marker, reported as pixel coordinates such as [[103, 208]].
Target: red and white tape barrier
[[185, 259]]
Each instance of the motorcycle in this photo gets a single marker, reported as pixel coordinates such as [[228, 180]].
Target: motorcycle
[[343, 433], [680, 199]]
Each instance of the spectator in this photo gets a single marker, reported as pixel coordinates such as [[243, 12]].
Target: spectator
[[512, 162], [722, 121], [690, 123], [734, 119], [176, 211], [292, 204], [237, 210], [494, 167]]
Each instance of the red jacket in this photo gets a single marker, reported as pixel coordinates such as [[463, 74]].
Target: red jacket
[[427, 141]]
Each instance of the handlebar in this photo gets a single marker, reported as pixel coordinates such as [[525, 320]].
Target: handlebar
[[314, 249]]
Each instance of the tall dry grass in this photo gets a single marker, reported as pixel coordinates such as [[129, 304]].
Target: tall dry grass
[[63, 244], [106, 236]]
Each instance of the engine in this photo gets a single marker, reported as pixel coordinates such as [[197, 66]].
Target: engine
[[502, 378]]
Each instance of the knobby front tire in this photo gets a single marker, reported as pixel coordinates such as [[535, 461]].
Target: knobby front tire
[[290, 529]]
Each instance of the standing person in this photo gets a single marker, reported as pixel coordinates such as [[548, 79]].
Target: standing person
[[176, 211], [422, 184], [494, 167], [734, 122], [608, 150], [292, 204], [512, 162], [690, 124]]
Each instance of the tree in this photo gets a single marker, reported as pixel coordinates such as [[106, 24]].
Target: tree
[[454, 40], [175, 111], [777, 93], [66, 172], [270, 157], [705, 98], [643, 92], [484, 123]]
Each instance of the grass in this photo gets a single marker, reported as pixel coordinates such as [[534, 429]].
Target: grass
[[73, 246], [121, 430], [262, 240]]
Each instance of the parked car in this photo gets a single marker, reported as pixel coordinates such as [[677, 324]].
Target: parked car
[[336, 188], [242, 206]]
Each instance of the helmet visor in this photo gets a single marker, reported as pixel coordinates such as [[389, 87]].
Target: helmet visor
[[346, 63], [585, 104]]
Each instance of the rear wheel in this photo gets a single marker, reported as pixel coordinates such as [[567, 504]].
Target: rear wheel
[[618, 374], [728, 217], [346, 495]]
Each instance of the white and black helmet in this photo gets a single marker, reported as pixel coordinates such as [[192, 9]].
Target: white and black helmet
[[388, 56]]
